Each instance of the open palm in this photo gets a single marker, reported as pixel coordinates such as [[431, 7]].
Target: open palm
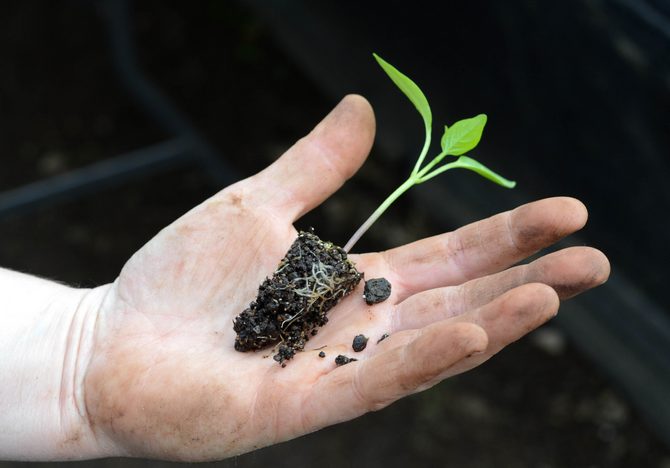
[[164, 379]]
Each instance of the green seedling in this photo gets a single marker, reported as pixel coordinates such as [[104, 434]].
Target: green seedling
[[314, 275], [461, 137]]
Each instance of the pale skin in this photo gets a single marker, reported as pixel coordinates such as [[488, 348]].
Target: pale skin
[[145, 366]]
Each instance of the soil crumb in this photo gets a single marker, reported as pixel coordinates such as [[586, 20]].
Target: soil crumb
[[384, 336], [360, 342], [341, 360], [311, 279], [376, 290], [284, 353]]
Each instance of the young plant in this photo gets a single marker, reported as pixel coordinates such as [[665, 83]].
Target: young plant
[[457, 140], [315, 275]]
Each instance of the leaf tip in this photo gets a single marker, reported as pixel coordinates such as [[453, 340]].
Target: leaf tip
[[379, 60]]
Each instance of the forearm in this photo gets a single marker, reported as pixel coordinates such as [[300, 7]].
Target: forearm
[[46, 333]]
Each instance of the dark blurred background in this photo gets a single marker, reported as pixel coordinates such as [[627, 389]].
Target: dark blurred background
[[117, 117]]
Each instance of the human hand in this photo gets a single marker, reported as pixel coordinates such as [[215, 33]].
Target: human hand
[[164, 381]]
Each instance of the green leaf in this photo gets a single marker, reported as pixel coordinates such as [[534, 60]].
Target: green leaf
[[409, 88], [463, 136], [444, 137], [469, 163]]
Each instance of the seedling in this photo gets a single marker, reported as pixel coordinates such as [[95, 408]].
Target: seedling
[[461, 137], [315, 275]]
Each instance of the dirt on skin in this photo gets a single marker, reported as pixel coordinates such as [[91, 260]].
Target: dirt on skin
[[524, 408], [383, 337], [311, 279]]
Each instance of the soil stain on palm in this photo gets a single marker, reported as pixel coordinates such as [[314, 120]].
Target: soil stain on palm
[[311, 279]]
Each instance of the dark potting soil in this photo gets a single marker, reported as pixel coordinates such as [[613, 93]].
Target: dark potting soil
[[341, 359], [525, 407], [376, 290], [360, 342], [311, 279], [284, 353]]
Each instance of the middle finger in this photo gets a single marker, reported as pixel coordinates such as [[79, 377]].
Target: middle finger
[[569, 272]]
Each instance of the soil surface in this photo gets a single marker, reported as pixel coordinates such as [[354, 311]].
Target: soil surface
[[290, 306], [537, 404]]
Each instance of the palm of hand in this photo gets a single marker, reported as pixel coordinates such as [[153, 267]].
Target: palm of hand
[[165, 380], [175, 370]]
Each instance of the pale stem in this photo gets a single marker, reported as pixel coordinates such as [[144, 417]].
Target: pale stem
[[379, 211], [424, 150], [436, 160], [436, 172]]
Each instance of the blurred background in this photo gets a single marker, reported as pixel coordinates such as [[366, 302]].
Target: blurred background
[[117, 117]]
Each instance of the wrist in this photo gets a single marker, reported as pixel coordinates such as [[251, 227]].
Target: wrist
[[47, 333], [76, 435]]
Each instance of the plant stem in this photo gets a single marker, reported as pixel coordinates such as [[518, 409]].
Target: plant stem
[[379, 211], [424, 150], [424, 177], [436, 160]]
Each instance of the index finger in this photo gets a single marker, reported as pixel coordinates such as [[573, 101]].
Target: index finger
[[483, 247]]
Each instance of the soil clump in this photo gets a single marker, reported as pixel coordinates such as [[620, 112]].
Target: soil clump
[[360, 342], [341, 359], [376, 290], [311, 279]]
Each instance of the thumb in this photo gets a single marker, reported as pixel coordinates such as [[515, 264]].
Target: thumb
[[318, 164]]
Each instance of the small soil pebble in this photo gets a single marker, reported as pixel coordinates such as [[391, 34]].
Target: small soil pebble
[[376, 290], [360, 342], [384, 336], [311, 279], [322, 354], [284, 354], [341, 360]]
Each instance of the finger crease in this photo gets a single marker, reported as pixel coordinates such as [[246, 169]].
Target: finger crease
[[461, 301], [357, 390], [510, 232], [455, 254], [394, 322], [397, 281]]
